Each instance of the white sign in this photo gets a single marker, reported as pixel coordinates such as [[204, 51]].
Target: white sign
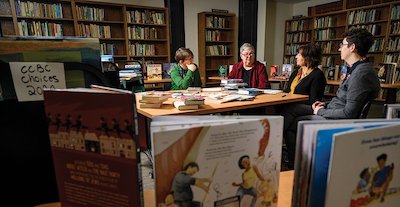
[[30, 78]]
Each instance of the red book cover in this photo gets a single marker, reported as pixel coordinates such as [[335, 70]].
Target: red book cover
[[92, 141]]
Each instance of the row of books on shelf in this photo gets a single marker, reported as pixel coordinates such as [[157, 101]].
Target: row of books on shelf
[[145, 17], [338, 162], [90, 13], [36, 9], [360, 16]]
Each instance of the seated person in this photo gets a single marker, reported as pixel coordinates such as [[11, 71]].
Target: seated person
[[359, 86], [251, 71], [184, 74], [308, 79]]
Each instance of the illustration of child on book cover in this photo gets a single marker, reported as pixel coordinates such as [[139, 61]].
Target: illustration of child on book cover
[[374, 183], [235, 164]]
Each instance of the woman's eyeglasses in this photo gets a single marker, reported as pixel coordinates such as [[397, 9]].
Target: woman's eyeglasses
[[248, 55]]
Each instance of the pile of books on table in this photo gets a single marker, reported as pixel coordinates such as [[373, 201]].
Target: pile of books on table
[[189, 102], [153, 99]]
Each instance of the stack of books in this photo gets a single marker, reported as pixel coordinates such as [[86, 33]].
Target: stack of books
[[189, 103], [153, 99], [233, 84]]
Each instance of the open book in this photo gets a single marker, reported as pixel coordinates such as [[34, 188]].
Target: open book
[[215, 153]]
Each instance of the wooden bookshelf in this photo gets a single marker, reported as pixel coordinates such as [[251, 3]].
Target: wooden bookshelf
[[111, 23], [329, 21], [217, 44], [298, 32]]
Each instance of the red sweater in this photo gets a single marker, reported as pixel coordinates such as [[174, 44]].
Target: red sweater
[[258, 75]]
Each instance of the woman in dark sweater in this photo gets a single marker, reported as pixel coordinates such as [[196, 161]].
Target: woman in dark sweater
[[308, 79]]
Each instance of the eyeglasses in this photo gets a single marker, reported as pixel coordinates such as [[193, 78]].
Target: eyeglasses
[[248, 55], [341, 44]]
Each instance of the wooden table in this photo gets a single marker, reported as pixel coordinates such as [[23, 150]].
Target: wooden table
[[146, 114], [284, 194], [210, 108]]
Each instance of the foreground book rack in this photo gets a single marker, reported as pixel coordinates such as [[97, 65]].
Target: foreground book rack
[[347, 163]]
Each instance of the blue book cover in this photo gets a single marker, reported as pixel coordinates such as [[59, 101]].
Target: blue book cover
[[322, 156], [166, 70]]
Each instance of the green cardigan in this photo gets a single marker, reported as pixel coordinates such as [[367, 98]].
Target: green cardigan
[[192, 79]]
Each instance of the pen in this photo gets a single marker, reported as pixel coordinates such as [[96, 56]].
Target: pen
[[283, 95]]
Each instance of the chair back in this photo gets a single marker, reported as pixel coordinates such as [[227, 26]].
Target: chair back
[[365, 110]]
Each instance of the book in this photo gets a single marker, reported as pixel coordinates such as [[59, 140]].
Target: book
[[180, 105], [387, 72], [250, 91], [219, 98], [146, 105], [230, 81], [364, 168], [314, 153], [287, 70], [167, 70], [193, 100], [92, 138], [223, 71], [392, 111], [216, 152], [274, 71], [154, 71]]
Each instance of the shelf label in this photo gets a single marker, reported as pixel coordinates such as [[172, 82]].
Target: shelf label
[[30, 78]]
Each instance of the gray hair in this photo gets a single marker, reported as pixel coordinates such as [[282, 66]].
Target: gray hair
[[246, 46]]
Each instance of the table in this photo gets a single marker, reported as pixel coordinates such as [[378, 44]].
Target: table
[[284, 193], [145, 115]]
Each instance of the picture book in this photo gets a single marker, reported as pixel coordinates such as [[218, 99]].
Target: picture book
[[92, 142], [274, 71], [217, 161], [392, 111], [167, 70], [313, 153], [154, 71], [364, 168], [287, 70], [223, 71]]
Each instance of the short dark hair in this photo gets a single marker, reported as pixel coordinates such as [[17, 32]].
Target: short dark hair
[[183, 53], [241, 159], [361, 38], [382, 157], [191, 164], [363, 172], [312, 54]]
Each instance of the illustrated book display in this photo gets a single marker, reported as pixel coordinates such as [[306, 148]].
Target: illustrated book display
[[217, 160], [93, 147], [339, 163]]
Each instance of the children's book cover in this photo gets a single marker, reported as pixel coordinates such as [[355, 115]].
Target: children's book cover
[[218, 163], [364, 168], [92, 141], [167, 69], [154, 71]]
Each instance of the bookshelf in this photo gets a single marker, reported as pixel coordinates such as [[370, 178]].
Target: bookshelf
[[327, 22], [128, 32], [217, 44], [298, 32]]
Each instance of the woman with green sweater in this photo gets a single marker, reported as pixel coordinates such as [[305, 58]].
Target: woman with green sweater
[[185, 73]]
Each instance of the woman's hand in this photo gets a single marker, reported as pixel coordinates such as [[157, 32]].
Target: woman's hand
[[191, 67]]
